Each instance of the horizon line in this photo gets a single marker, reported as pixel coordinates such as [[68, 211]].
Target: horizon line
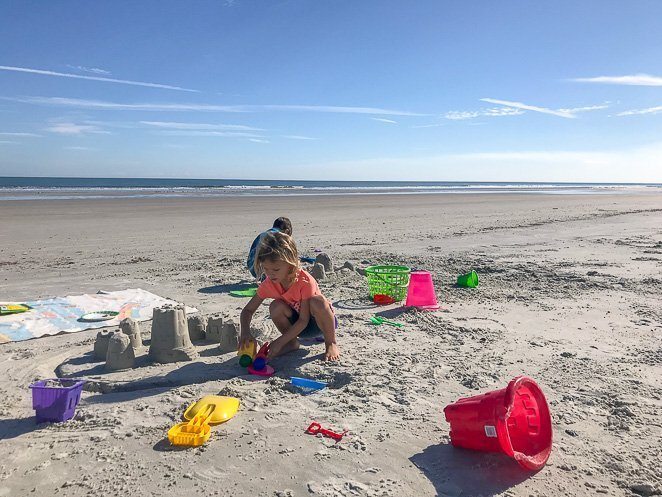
[[337, 181]]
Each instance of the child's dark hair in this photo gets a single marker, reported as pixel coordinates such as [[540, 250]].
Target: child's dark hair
[[284, 225], [276, 247]]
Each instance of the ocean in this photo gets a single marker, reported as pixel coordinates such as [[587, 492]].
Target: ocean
[[44, 188]]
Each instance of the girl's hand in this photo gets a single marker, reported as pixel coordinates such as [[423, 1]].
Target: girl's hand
[[275, 347], [244, 339]]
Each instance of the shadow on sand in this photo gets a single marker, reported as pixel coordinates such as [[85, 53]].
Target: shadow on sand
[[12, 428], [230, 287], [455, 472], [358, 304]]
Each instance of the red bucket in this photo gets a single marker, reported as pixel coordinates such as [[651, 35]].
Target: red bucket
[[514, 420]]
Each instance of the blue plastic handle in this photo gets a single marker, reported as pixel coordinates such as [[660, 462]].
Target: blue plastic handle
[[306, 383]]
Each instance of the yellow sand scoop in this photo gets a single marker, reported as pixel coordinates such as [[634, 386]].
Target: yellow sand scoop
[[195, 432]]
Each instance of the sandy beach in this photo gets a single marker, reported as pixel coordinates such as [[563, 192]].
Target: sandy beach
[[570, 294]]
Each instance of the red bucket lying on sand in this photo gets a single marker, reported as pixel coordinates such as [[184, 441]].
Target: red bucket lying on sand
[[514, 420]]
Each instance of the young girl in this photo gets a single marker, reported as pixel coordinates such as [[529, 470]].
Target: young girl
[[298, 304]]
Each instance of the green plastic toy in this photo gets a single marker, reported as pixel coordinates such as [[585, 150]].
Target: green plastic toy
[[469, 280], [380, 320], [248, 292]]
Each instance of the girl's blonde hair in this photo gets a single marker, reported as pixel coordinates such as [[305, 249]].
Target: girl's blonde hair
[[276, 246]]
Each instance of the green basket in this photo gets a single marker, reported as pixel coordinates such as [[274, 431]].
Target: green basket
[[388, 280]]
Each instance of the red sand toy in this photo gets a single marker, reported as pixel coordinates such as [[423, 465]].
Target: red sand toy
[[514, 420], [316, 428], [260, 366]]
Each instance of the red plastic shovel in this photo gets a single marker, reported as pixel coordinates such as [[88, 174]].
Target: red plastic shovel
[[316, 428]]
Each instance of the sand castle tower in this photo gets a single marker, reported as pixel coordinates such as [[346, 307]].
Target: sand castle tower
[[229, 341], [120, 352], [226, 334], [325, 261], [318, 272], [101, 344], [197, 326], [131, 328], [214, 328], [170, 338]]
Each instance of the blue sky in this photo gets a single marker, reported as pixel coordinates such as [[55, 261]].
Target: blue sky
[[344, 90]]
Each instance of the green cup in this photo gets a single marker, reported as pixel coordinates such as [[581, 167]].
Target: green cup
[[469, 280]]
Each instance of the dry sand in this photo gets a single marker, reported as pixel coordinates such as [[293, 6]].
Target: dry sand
[[570, 294]]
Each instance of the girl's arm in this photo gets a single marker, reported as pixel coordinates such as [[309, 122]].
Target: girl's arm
[[246, 318]]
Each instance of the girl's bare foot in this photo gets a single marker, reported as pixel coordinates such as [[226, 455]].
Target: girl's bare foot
[[332, 352]]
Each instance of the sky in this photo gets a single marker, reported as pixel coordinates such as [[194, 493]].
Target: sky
[[427, 90]]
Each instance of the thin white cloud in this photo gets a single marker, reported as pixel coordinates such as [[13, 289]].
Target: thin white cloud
[[79, 148], [17, 134], [104, 105], [502, 111], [629, 80], [332, 109], [199, 126], [463, 115], [229, 134], [459, 115], [68, 128], [298, 137], [383, 120], [170, 107], [93, 70], [6, 142], [257, 140], [534, 108], [94, 78], [589, 108], [638, 112]]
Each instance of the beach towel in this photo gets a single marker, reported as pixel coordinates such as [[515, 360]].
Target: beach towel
[[62, 314]]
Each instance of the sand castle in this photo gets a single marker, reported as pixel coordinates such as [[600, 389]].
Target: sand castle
[[197, 327], [325, 261], [121, 354], [131, 328], [101, 344], [225, 333], [318, 272], [170, 336]]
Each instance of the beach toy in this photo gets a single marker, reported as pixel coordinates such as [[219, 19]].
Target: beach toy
[[247, 292], [309, 260], [194, 432], [98, 316], [469, 280], [514, 420], [316, 428], [56, 399], [306, 384], [224, 408], [381, 299], [7, 309], [260, 359], [266, 371], [380, 320], [421, 291], [247, 353], [387, 280]]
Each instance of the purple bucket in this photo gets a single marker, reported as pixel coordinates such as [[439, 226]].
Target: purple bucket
[[56, 399]]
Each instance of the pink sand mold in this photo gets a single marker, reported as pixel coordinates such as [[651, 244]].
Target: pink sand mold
[[421, 291], [266, 372]]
